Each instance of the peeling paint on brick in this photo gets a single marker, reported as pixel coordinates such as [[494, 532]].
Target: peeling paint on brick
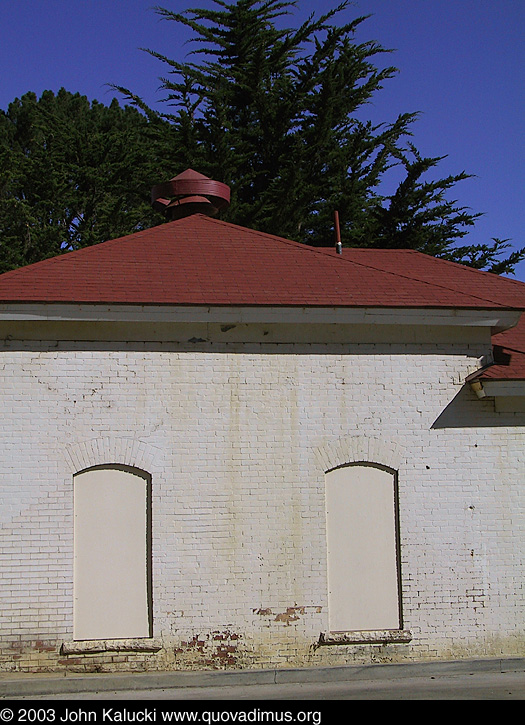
[[237, 440], [291, 615]]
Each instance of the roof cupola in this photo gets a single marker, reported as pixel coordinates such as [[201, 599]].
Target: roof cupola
[[190, 193]]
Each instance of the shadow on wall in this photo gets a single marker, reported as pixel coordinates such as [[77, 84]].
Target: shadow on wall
[[465, 410]]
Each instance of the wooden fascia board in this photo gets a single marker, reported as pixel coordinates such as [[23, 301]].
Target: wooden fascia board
[[503, 388], [496, 319]]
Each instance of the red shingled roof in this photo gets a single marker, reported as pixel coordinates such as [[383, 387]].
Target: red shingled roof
[[454, 276], [200, 260], [509, 355]]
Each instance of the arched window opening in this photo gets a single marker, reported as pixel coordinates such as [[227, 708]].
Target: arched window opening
[[112, 553], [362, 541]]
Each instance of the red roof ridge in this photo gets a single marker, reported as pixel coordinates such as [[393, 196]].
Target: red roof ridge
[[198, 259], [472, 270], [331, 252], [433, 283], [465, 269], [82, 251]]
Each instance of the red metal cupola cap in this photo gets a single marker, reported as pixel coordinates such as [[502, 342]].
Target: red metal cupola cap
[[190, 193]]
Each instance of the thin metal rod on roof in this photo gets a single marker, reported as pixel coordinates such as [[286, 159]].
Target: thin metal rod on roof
[[337, 231]]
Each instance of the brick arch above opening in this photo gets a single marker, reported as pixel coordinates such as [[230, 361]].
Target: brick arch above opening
[[112, 450], [360, 449]]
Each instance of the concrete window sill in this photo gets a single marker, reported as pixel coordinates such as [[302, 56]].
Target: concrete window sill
[[377, 636], [110, 645]]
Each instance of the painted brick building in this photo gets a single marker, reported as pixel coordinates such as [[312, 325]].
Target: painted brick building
[[220, 448]]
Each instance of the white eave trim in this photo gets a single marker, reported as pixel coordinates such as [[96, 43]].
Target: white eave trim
[[497, 320], [498, 388]]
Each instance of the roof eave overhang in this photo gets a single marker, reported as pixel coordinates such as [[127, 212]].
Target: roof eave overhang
[[495, 319], [510, 388], [504, 388]]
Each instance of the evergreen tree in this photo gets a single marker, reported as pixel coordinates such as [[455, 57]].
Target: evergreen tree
[[72, 173], [276, 114]]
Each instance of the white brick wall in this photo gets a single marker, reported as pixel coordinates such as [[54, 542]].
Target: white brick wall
[[237, 440]]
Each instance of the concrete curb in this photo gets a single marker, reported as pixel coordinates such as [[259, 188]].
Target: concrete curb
[[22, 685]]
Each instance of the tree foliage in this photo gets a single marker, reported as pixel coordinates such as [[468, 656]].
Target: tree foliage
[[72, 173], [277, 114]]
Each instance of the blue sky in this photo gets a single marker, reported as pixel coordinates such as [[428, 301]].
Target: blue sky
[[461, 65]]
